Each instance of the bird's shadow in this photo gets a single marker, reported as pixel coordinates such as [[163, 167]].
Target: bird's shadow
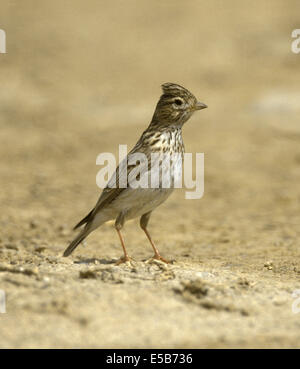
[[96, 261]]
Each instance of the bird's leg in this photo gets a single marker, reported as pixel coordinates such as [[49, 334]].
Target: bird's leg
[[143, 223], [119, 225]]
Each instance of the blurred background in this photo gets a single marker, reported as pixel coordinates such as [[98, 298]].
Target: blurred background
[[81, 77]]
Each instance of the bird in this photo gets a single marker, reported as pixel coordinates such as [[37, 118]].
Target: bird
[[162, 137]]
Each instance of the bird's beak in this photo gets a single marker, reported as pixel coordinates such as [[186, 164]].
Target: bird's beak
[[199, 105]]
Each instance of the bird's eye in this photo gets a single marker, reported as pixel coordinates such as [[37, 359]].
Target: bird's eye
[[178, 102]]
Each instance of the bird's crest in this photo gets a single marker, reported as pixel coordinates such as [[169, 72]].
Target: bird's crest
[[174, 89]]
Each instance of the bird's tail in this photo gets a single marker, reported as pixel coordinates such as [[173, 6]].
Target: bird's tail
[[82, 235], [85, 220]]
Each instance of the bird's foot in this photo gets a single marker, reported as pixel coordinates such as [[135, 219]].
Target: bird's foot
[[158, 259], [125, 260]]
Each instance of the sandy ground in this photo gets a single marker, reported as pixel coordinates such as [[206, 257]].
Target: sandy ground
[[83, 77]]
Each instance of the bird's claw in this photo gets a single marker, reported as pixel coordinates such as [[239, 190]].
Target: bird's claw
[[125, 260], [157, 259]]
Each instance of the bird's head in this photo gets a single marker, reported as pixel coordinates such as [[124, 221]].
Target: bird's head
[[175, 106]]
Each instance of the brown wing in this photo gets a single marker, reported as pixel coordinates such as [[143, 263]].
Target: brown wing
[[110, 193]]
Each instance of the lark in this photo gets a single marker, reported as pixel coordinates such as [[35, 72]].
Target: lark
[[162, 137]]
